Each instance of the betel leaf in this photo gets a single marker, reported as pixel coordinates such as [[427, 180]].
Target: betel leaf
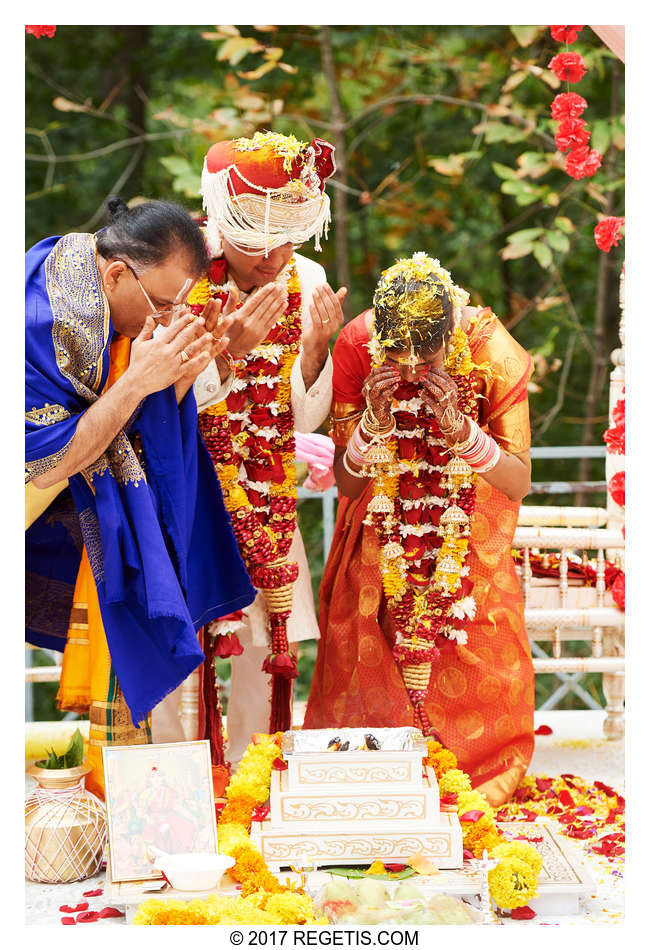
[[53, 761], [74, 754], [71, 758], [362, 872]]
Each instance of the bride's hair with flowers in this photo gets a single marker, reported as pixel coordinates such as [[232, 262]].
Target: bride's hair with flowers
[[412, 308]]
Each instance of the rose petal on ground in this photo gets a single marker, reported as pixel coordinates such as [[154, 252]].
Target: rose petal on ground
[[543, 731], [68, 921], [87, 917], [96, 893], [111, 912]]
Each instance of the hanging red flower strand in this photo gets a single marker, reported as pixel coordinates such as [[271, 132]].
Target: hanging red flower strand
[[572, 135], [566, 34], [39, 31]]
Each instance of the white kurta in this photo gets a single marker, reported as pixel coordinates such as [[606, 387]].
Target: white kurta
[[249, 687]]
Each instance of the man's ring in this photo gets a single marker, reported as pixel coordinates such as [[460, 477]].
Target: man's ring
[[326, 320], [184, 356]]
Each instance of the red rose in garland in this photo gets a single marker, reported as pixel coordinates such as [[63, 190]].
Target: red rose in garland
[[618, 412], [568, 66], [618, 590], [571, 133], [566, 34], [615, 435], [39, 31], [582, 162], [607, 233], [616, 486], [568, 105]]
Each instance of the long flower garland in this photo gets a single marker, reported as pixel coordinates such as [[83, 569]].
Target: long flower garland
[[252, 431], [423, 532]]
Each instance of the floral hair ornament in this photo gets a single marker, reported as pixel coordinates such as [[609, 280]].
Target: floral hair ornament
[[412, 300], [266, 191]]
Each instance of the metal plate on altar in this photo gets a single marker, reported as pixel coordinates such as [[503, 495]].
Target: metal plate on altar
[[402, 739]]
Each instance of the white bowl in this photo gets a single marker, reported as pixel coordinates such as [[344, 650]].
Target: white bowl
[[194, 872]]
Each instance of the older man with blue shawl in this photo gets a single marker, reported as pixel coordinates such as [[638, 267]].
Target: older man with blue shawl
[[109, 407]]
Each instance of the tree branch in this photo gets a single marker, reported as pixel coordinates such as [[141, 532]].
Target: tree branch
[[113, 147]]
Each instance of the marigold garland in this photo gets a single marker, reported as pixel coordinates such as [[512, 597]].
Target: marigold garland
[[247, 790], [252, 432]]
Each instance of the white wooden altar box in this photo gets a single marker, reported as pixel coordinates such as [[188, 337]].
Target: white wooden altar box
[[376, 806], [398, 762], [443, 844]]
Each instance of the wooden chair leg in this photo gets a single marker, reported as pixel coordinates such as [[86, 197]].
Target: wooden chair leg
[[614, 688]]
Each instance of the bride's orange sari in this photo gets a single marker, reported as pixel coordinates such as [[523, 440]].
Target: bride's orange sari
[[482, 695]]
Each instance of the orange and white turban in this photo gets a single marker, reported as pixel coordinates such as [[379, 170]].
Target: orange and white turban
[[266, 191]]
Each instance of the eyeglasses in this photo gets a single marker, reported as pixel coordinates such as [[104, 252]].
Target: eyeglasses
[[158, 313]]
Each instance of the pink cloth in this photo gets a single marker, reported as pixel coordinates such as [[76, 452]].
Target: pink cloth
[[318, 451]]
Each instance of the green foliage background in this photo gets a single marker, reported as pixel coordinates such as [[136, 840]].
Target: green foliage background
[[448, 146]]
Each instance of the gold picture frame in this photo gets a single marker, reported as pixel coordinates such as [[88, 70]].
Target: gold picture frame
[[161, 795]]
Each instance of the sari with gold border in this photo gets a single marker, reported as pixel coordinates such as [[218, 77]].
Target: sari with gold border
[[481, 696]]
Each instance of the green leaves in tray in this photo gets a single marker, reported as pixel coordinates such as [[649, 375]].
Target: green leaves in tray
[[363, 872], [71, 758]]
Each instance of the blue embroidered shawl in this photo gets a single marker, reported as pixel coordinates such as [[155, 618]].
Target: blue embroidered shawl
[[159, 541]]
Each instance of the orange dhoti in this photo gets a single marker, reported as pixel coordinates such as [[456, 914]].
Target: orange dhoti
[[481, 696]]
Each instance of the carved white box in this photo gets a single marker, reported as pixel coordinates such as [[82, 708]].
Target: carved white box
[[396, 765], [443, 844], [320, 810]]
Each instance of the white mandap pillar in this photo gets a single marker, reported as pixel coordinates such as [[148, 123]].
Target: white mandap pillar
[[614, 640]]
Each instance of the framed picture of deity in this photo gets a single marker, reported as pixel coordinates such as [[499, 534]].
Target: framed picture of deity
[[158, 795]]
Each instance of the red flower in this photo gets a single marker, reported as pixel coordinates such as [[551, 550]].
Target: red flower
[[616, 487], [618, 590], [571, 133], [569, 66], [582, 162], [217, 271], [281, 664], [39, 31], [565, 34], [568, 105], [227, 644], [522, 913], [607, 232], [618, 412], [615, 439]]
